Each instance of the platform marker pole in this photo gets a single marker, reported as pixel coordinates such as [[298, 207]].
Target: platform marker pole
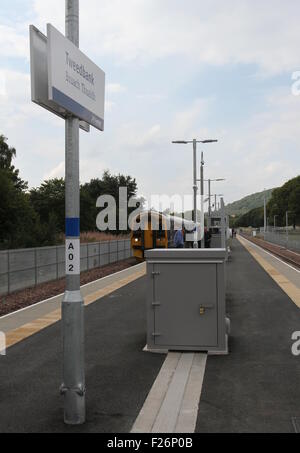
[[209, 207], [265, 215], [73, 387], [195, 187], [202, 203]]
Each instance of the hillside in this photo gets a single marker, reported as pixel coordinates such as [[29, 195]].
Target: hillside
[[248, 203]]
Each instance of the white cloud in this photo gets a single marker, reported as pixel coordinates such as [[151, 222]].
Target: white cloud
[[133, 136], [260, 152], [113, 88], [13, 43], [186, 122], [57, 172], [109, 105], [215, 32]]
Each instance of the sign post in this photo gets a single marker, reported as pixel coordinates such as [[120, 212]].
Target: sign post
[[73, 387], [67, 83]]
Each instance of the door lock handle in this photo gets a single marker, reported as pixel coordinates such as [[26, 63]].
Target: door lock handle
[[203, 308]]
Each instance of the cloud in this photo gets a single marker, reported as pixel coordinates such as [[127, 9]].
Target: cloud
[[114, 88], [133, 136], [109, 105], [13, 43], [57, 172], [215, 32], [186, 121]]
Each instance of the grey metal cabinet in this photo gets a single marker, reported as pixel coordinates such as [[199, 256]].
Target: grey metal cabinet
[[186, 300]]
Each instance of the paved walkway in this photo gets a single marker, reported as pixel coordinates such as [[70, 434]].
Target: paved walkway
[[256, 388], [119, 374]]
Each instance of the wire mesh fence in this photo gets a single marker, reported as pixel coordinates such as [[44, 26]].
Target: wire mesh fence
[[287, 238], [26, 268]]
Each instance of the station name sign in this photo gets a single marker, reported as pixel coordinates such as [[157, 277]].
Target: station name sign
[[75, 83]]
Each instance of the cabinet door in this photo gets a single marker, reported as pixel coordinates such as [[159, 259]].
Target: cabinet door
[[185, 305]]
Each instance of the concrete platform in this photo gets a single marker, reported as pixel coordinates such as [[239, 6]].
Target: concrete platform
[[119, 374], [254, 389]]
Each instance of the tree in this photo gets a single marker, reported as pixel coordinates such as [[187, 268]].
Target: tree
[[283, 199], [48, 200], [253, 218], [19, 224], [286, 198], [7, 154], [110, 185]]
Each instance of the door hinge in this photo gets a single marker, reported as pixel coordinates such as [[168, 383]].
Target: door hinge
[[156, 334], [156, 304]]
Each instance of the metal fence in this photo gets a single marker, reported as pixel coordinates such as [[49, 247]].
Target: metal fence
[[289, 239], [25, 268]]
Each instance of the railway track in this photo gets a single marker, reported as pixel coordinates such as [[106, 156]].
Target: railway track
[[288, 256]]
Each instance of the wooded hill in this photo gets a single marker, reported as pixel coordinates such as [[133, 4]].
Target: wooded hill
[[284, 199]]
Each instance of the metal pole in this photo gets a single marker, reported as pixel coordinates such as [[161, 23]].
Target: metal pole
[[223, 224], [265, 216], [209, 204], [202, 203], [73, 387], [209, 196], [215, 203], [287, 228], [195, 187]]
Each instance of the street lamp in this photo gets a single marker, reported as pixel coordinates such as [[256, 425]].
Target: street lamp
[[217, 195], [209, 191], [195, 187]]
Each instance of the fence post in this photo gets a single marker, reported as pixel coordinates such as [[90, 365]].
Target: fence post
[[87, 257], [8, 272], [56, 254], [35, 267]]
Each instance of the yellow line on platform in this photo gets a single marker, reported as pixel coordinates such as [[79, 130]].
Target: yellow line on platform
[[15, 336], [285, 284]]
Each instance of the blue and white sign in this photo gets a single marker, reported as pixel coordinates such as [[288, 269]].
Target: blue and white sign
[[75, 82]]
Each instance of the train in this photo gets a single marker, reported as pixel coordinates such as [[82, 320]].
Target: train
[[157, 231]]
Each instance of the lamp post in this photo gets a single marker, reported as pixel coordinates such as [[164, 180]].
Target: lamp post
[[216, 195], [202, 201], [209, 192], [195, 187]]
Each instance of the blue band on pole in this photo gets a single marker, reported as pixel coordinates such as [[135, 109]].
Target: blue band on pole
[[73, 228]]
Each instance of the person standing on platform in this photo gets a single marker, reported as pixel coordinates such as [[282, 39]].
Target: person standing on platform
[[179, 239]]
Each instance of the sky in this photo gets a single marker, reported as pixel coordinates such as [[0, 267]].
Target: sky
[[175, 70]]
